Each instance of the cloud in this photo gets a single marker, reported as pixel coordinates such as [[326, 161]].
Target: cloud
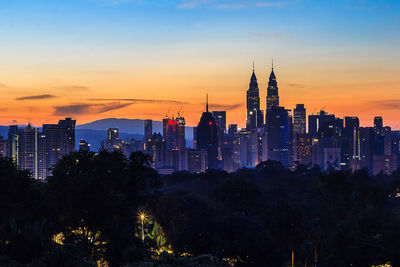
[[81, 108], [134, 100], [385, 104], [225, 107], [35, 97], [192, 4], [72, 88], [296, 85]]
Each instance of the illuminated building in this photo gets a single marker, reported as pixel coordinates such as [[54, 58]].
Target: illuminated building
[[3, 147], [207, 137], [32, 152], [60, 140], [113, 142], [157, 149], [243, 148], [299, 120], [385, 164], [278, 134], [197, 160], [303, 149], [83, 145], [39, 152], [254, 116], [378, 125], [332, 158], [366, 144], [180, 133], [272, 91], [148, 129]]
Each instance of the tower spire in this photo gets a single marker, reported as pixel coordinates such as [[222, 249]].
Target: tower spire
[[207, 102], [272, 64], [253, 65]]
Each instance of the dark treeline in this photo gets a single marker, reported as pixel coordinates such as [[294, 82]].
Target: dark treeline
[[86, 214]]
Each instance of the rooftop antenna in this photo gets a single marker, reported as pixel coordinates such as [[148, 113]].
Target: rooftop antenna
[[207, 102], [167, 115]]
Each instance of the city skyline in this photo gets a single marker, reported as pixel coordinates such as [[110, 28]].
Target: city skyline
[[121, 61]]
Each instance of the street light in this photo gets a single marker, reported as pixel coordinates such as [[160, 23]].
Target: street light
[[142, 218]]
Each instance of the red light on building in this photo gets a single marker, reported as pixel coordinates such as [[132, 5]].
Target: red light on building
[[210, 123], [171, 122]]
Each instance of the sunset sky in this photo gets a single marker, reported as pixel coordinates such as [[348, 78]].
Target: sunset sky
[[93, 59]]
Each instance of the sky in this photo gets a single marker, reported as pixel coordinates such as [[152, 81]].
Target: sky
[[94, 59]]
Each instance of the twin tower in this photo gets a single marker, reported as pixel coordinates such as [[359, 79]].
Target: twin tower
[[255, 116]]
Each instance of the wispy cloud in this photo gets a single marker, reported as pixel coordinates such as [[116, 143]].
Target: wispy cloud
[[83, 108], [225, 107], [134, 100], [35, 97], [385, 104], [72, 88]]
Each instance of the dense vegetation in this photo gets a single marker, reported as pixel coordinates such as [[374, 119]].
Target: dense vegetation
[[87, 214]]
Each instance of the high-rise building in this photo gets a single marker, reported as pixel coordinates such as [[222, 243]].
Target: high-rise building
[[84, 145], [272, 91], [60, 140], [254, 116], [148, 129], [3, 147], [197, 160], [299, 120], [378, 125], [207, 137], [180, 133], [157, 148], [385, 164], [113, 142], [277, 127], [303, 149], [220, 120]]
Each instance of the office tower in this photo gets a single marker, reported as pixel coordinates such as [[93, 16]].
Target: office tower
[[348, 142], [169, 128], [324, 125], [83, 145], [220, 120], [194, 142], [332, 158], [207, 137], [31, 152], [113, 134], [179, 159], [277, 127], [291, 138], [157, 148], [272, 91], [244, 153], [60, 141], [323, 151], [68, 126], [254, 116], [366, 142], [13, 143], [385, 164], [303, 149], [255, 149], [197, 160], [3, 147], [378, 125], [299, 120], [148, 129], [351, 123], [180, 133]]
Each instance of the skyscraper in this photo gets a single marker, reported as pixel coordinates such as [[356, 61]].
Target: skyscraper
[[84, 145], [272, 91], [299, 120], [254, 116], [148, 129], [277, 125], [378, 125], [180, 133], [207, 137], [60, 140]]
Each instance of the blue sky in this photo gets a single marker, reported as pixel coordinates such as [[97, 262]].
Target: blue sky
[[133, 47]]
